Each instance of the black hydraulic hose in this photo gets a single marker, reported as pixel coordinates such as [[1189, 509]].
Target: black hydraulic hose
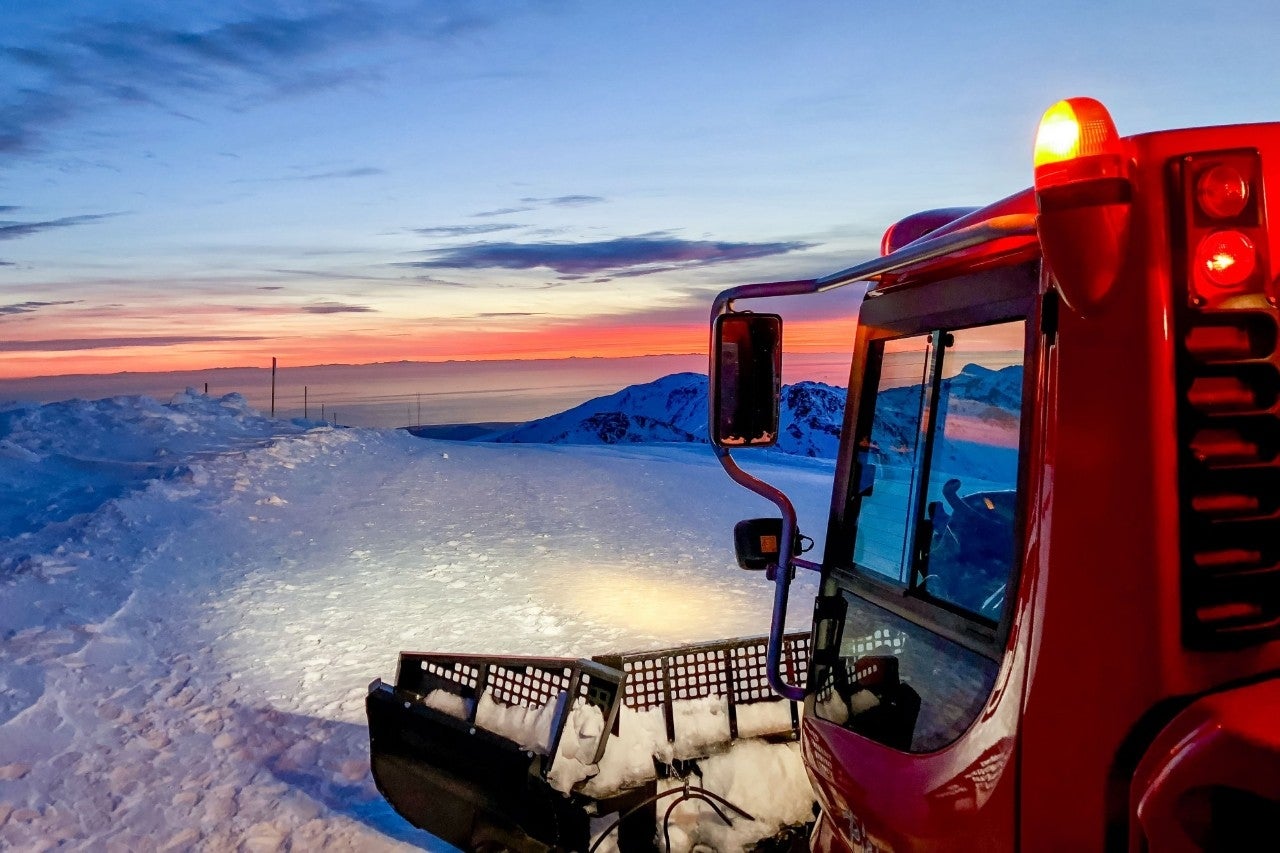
[[687, 792]]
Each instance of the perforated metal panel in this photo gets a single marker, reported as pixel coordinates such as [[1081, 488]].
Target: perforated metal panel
[[874, 643], [526, 682], [734, 670], [457, 673]]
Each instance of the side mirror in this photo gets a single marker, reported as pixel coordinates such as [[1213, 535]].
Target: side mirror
[[746, 379]]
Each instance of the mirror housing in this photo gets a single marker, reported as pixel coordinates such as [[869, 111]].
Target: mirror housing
[[746, 379], [756, 540]]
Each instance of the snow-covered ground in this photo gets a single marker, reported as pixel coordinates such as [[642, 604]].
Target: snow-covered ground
[[194, 598]]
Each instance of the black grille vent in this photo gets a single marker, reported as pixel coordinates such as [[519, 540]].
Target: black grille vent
[[1229, 426]]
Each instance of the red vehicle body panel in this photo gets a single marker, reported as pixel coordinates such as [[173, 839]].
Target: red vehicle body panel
[[1095, 665], [1224, 742]]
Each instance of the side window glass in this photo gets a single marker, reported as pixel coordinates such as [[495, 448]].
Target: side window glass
[[937, 469], [973, 472], [890, 459]]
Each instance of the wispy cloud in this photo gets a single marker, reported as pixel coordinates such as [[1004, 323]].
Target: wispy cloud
[[564, 200], [465, 230], [8, 208], [10, 230], [96, 63], [621, 256], [503, 211], [329, 275], [29, 307], [336, 308], [71, 344], [533, 203], [359, 172], [279, 309]]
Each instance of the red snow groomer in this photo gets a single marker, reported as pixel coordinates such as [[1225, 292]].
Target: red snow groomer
[[1056, 505], [1049, 605]]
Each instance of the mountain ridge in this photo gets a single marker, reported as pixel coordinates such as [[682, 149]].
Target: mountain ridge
[[673, 408]]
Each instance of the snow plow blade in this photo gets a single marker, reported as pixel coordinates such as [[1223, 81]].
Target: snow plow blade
[[463, 783], [504, 753]]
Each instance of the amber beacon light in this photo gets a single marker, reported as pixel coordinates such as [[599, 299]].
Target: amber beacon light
[[1083, 195]]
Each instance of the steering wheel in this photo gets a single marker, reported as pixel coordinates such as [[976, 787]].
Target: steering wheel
[[971, 551]]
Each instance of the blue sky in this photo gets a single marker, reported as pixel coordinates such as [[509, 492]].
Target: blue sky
[[197, 184]]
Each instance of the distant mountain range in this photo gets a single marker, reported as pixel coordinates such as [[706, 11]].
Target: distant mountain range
[[674, 409]]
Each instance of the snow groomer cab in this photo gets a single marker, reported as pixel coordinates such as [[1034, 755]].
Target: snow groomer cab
[[1049, 607]]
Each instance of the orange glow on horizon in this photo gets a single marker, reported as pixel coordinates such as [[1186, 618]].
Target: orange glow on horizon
[[585, 339]]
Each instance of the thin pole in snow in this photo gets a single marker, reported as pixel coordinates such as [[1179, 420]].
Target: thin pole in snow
[[304, 402], [206, 389], [273, 386], [419, 410], [322, 411]]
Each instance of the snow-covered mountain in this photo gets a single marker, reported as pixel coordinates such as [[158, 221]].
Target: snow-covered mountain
[[674, 408], [810, 419]]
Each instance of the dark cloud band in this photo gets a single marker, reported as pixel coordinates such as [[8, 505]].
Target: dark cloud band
[[14, 230], [633, 255], [28, 307], [336, 308], [73, 344], [464, 230], [134, 62], [565, 200]]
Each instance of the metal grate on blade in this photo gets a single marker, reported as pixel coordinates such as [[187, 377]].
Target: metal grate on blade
[[732, 670]]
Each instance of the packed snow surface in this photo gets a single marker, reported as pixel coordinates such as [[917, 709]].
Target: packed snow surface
[[194, 598]]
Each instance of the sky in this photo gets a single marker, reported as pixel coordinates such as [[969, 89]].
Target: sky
[[191, 185]]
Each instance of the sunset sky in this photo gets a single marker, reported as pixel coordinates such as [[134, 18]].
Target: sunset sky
[[188, 185]]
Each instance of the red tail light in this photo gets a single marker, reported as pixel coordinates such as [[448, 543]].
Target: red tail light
[[1228, 368], [1222, 192], [1225, 260], [1226, 245]]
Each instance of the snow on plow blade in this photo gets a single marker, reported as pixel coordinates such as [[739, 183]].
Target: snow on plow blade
[[538, 754]]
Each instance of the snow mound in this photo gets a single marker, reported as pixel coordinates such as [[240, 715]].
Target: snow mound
[[60, 460]]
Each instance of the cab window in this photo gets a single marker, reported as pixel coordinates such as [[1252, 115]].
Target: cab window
[[939, 467], [933, 498]]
